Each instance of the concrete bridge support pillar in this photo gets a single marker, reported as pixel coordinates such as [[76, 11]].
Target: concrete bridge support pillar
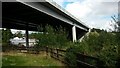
[[27, 38], [74, 34]]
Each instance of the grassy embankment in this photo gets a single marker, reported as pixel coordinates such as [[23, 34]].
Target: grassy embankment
[[24, 59]]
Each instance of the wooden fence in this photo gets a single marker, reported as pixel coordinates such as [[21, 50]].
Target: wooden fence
[[56, 53], [88, 61], [82, 60]]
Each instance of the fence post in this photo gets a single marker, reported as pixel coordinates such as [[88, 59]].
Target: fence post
[[47, 50], [57, 53], [51, 52]]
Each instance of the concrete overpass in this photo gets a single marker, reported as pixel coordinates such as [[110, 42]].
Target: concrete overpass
[[28, 15]]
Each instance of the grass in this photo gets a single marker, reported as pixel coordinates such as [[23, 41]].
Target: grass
[[24, 59]]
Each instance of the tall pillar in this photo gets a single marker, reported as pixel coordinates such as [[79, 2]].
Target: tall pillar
[[74, 33], [27, 38]]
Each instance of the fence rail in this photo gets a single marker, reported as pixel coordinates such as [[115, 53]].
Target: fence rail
[[56, 53], [81, 59], [88, 61]]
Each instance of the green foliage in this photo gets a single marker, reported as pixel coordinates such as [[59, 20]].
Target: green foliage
[[33, 35], [97, 30], [52, 38], [18, 34], [61, 37], [70, 57], [103, 45], [6, 35]]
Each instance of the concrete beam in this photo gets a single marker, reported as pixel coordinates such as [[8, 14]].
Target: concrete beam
[[47, 10]]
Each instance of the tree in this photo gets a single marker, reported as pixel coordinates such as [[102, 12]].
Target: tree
[[6, 35], [117, 30], [117, 24], [52, 38], [33, 35], [97, 30], [102, 45], [47, 38], [18, 34]]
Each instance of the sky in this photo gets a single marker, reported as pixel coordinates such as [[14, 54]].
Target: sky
[[94, 13]]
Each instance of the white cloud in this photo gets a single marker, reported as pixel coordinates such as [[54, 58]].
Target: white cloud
[[78, 10], [86, 0], [110, 0], [94, 13]]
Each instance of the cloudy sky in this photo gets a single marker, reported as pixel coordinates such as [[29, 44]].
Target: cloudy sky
[[94, 13]]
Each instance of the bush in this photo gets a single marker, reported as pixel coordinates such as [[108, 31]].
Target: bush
[[101, 45], [70, 56], [52, 38]]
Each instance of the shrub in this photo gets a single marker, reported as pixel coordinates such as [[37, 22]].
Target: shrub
[[101, 45], [70, 56], [52, 38]]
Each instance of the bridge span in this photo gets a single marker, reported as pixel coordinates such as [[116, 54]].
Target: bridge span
[[28, 16]]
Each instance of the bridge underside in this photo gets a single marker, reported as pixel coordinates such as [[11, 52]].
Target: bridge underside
[[16, 15]]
